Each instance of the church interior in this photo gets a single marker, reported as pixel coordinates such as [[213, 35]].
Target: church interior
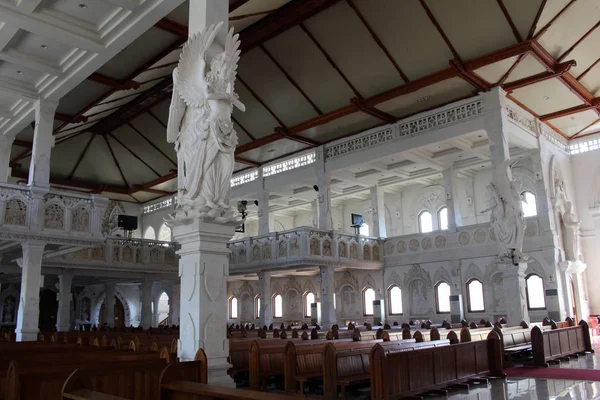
[[272, 199]]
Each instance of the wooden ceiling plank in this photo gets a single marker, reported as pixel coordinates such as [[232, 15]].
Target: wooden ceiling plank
[[377, 40], [252, 138], [581, 39], [587, 127], [559, 70], [511, 69], [112, 153], [69, 119], [291, 80], [588, 69], [112, 82], [470, 77], [557, 16], [158, 181], [257, 97], [510, 20], [133, 153], [155, 147], [80, 158], [439, 29], [536, 19], [330, 60], [572, 110]]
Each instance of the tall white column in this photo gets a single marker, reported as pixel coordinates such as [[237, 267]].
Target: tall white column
[[263, 206], [109, 304], [147, 303], [325, 220], [5, 150], [264, 288], [328, 316], [315, 213], [378, 206], [495, 121], [31, 281], [43, 141], [174, 302], [63, 317], [513, 277], [451, 205]]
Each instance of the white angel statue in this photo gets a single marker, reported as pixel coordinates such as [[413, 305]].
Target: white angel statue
[[507, 218], [200, 127]]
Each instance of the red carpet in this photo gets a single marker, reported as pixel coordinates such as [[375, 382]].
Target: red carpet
[[554, 373]]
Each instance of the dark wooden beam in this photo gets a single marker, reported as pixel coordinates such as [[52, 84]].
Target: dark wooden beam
[[140, 188], [235, 4], [572, 110], [510, 21], [246, 162], [296, 138], [559, 70], [69, 119], [439, 29], [588, 69], [557, 16], [133, 154], [85, 149], [260, 100], [511, 69], [113, 83], [372, 111], [244, 129], [172, 27], [587, 127], [254, 14], [94, 187], [112, 153], [23, 143], [155, 147], [536, 19], [578, 42], [470, 77], [377, 40]]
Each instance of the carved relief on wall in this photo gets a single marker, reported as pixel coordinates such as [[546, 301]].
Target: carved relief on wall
[[116, 253], [315, 247], [9, 305], [426, 243], [347, 303], [326, 247], [413, 245], [366, 252], [266, 252], [353, 251], [242, 255], [98, 253], [401, 246], [139, 258], [85, 309], [170, 257], [15, 212], [419, 304], [255, 253], [294, 248], [246, 307], [531, 228], [376, 252], [464, 238], [110, 218], [498, 292], [292, 304], [80, 219], [479, 236], [282, 252], [155, 256], [127, 254], [342, 251], [388, 248], [440, 242]]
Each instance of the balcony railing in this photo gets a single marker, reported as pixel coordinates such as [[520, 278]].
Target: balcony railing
[[305, 243]]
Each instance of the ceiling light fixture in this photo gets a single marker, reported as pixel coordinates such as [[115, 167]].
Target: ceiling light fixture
[[83, 5], [546, 97], [271, 151], [422, 99], [20, 72], [44, 46]]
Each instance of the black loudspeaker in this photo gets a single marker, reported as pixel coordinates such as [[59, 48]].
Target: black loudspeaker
[[127, 222]]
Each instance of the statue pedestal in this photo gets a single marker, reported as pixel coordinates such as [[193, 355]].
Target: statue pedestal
[[574, 270], [203, 270], [513, 277]]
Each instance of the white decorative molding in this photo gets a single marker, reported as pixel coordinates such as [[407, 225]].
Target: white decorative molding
[[244, 178], [521, 120], [290, 164]]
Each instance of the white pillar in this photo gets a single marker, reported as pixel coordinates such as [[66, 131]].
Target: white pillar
[[451, 205], [5, 150], [325, 220], [31, 281], [495, 121], [203, 269], [328, 316], [378, 206], [147, 303], [263, 206], [315, 213], [264, 288], [457, 312], [513, 277], [174, 303], [109, 304], [63, 317], [43, 141]]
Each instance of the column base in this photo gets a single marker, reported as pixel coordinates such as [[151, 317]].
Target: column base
[[63, 328], [27, 335], [217, 373]]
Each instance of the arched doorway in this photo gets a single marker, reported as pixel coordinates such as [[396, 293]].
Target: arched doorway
[[162, 311], [48, 310], [119, 314]]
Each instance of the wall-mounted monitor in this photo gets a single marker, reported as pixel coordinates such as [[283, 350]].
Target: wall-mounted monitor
[[357, 220]]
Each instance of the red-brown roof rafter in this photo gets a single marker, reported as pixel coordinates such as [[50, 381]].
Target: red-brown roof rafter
[[587, 127], [262, 103], [133, 153], [161, 66], [536, 19], [581, 39], [470, 77], [377, 40], [246, 131], [588, 69], [246, 161], [254, 14], [374, 112], [511, 69], [125, 84], [112, 153], [330, 60], [524, 107], [284, 134], [120, 98], [71, 120], [94, 187], [172, 27], [154, 191], [559, 70], [23, 143], [81, 155], [439, 29], [291, 80], [557, 16], [155, 147], [235, 4], [510, 21], [594, 105]]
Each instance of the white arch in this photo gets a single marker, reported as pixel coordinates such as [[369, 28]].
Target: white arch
[[164, 233], [149, 233]]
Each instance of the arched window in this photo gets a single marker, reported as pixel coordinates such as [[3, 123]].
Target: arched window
[[163, 308], [364, 229], [164, 233], [150, 234], [528, 204], [309, 298], [425, 222], [277, 305], [257, 306], [442, 297], [395, 300], [368, 297], [475, 296], [536, 299], [443, 218], [233, 307], [334, 305]]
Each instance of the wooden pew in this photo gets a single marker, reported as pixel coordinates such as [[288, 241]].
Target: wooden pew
[[554, 344], [393, 374], [78, 386]]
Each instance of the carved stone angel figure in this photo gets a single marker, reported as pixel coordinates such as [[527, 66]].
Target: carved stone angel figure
[[570, 230], [200, 127], [507, 218]]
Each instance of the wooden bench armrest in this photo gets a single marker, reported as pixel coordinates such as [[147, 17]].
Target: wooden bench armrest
[[347, 380]]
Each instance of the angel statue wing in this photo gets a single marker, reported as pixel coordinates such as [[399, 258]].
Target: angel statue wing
[[176, 113], [189, 77], [232, 58]]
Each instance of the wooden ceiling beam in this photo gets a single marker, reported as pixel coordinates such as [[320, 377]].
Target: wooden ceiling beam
[[536, 19], [594, 104], [437, 25], [296, 138], [510, 21], [81, 155], [155, 147], [557, 16], [372, 111], [23, 143], [260, 100], [113, 83], [112, 153], [235, 4], [470, 77], [68, 119], [246, 162], [172, 27], [578, 42], [511, 69], [559, 70], [140, 159], [587, 127], [246, 131], [140, 188], [588, 69]]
